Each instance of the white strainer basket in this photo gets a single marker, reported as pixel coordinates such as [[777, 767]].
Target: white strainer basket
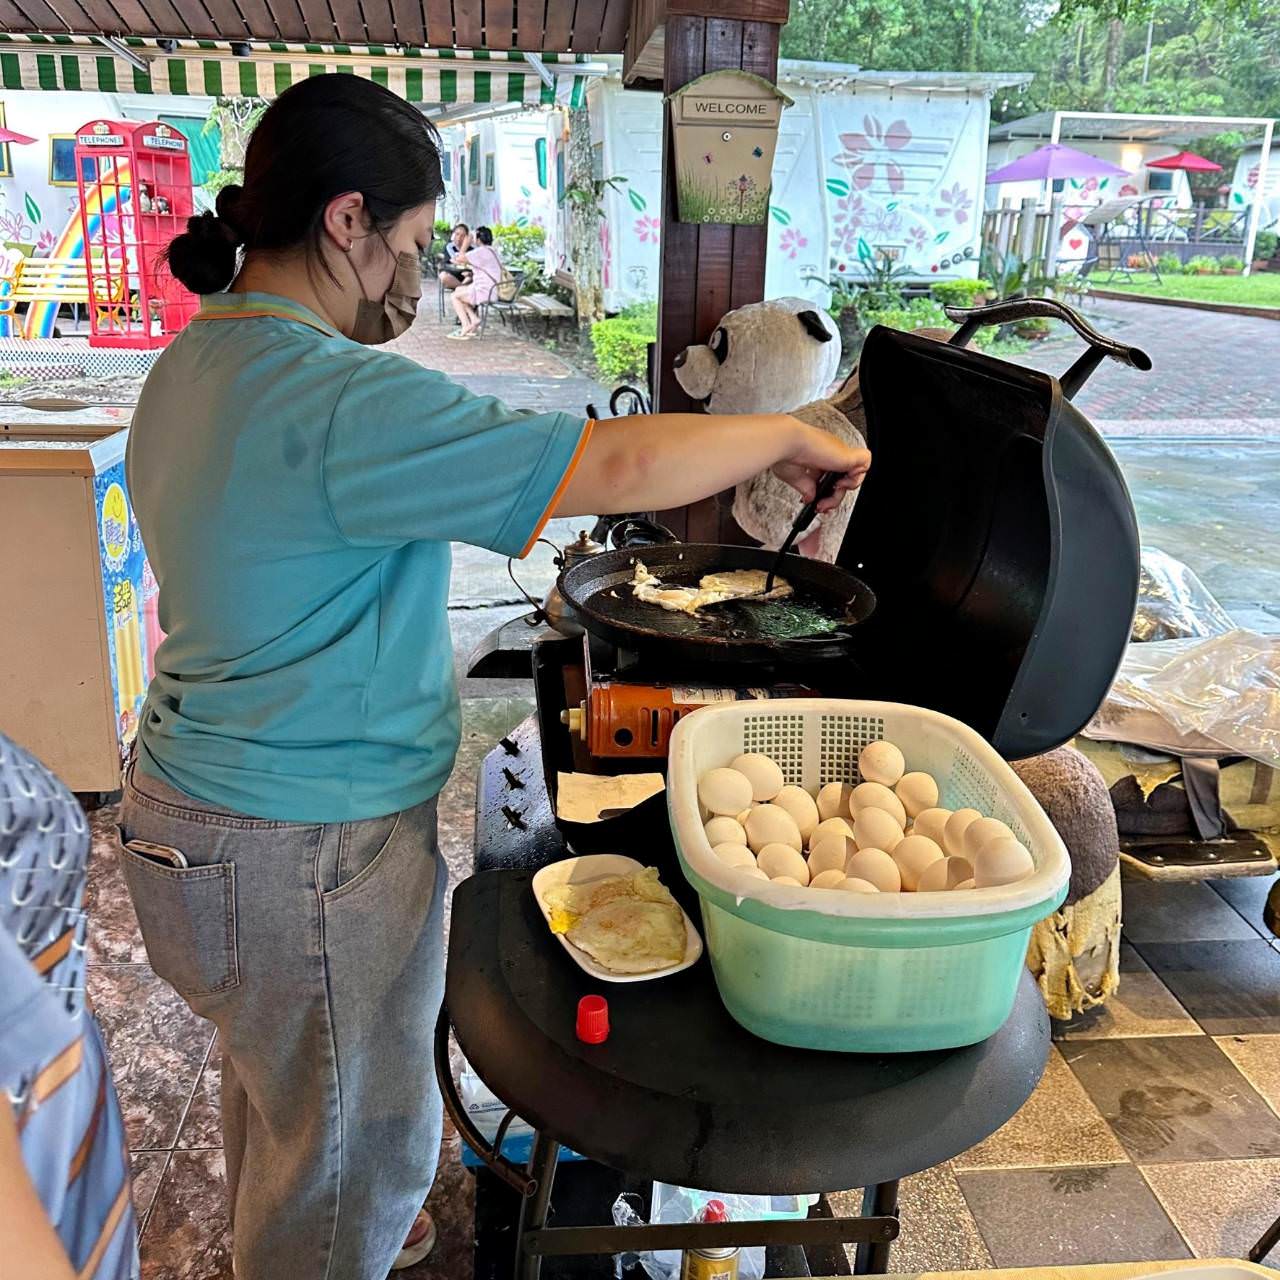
[[866, 972]]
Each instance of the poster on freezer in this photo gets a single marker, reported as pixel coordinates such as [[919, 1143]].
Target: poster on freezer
[[129, 593]]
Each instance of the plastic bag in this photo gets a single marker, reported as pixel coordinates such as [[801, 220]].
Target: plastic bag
[[485, 1108], [1173, 603], [679, 1204], [1202, 697]]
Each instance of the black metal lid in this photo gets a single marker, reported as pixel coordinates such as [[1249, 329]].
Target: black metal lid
[[998, 536]]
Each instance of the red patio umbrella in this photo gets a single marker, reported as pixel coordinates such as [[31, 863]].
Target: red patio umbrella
[[1187, 160], [20, 139]]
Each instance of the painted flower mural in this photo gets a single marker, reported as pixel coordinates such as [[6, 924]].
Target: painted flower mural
[[917, 237], [870, 152], [884, 223], [648, 229], [954, 202], [850, 215], [791, 242], [13, 226]]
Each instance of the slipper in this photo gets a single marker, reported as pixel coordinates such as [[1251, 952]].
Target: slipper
[[420, 1242], [455, 337]]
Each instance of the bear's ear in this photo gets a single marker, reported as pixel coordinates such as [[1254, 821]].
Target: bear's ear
[[813, 325]]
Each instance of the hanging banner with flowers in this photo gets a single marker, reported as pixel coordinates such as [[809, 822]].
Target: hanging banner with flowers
[[900, 181]]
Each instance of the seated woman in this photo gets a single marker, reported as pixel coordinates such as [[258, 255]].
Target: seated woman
[[486, 272], [452, 273]]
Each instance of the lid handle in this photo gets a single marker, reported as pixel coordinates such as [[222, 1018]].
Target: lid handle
[[636, 531], [1011, 310]]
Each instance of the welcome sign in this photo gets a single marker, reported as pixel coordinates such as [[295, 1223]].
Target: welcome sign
[[725, 127]]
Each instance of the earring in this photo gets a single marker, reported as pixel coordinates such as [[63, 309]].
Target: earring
[[346, 248]]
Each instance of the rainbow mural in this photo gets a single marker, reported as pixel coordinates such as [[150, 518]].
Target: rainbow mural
[[100, 199]]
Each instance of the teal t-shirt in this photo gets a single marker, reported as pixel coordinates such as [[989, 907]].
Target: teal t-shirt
[[296, 494]]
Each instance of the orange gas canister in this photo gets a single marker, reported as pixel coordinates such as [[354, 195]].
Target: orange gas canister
[[621, 719]]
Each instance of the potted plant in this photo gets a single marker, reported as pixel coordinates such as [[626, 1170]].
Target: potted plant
[[963, 293], [1264, 252], [1202, 265], [1231, 265], [1139, 262], [1034, 330], [1169, 264]]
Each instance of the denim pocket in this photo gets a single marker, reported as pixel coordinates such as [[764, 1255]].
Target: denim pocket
[[188, 920], [362, 848]]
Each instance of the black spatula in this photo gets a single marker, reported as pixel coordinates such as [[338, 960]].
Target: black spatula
[[826, 486]]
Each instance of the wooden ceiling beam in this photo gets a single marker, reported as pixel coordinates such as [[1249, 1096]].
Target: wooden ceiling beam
[[499, 24], [530, 24], [439, 23], [558, 27], [643, 60]]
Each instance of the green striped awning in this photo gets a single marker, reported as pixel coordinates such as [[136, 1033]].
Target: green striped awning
[[206, 67]]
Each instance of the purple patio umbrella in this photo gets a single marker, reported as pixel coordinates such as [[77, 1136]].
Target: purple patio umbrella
[[1055, 161]]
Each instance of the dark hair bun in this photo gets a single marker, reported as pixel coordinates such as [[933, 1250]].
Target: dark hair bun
[[204, 257], [228, 204]]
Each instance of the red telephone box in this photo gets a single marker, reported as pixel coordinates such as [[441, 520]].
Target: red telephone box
[[134, 181]]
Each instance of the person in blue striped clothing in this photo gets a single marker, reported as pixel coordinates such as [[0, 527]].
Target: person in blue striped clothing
[[65, 1207]]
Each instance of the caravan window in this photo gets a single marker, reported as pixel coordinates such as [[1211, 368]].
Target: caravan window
[[473, 161], [540, 155], [62, 160], [446, 165], [1157, 181], [488, 171]]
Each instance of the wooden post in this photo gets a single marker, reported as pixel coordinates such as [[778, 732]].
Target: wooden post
[[1027, 232], [707, 270], [1053, 237]]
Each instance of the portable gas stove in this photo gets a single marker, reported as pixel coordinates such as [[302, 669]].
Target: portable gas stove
[[630, 705]]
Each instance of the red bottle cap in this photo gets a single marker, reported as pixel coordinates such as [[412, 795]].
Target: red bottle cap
[[593, 1020], [715, 1212]]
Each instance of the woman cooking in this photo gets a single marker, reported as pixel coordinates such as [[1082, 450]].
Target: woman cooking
[[297, 490]]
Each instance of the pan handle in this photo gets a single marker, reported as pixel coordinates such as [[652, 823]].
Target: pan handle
[[1011, 310], [636, 531]]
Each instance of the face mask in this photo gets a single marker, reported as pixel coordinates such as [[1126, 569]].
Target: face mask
[[379, 322]]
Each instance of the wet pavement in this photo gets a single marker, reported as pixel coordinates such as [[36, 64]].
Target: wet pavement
[[1214, 504]]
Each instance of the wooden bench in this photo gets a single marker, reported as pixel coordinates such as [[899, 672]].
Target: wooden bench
[[542, 306], [59, 280]]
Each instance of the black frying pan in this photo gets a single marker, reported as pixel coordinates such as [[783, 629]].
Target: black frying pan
[[746, 632]]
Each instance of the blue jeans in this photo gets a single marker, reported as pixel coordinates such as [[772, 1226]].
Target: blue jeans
[[317, 953]]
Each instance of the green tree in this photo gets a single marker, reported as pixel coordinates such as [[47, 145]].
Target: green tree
[[1221, 57]]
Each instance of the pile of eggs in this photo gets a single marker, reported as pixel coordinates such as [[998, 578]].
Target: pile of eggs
[[887, 834]]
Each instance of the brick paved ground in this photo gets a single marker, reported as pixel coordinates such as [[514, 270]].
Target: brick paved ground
[[505, 363], [1221, 371]]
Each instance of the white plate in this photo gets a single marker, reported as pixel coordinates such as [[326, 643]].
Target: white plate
[[595, 866]]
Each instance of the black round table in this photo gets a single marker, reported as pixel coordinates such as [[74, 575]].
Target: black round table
[[680, 1093]]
